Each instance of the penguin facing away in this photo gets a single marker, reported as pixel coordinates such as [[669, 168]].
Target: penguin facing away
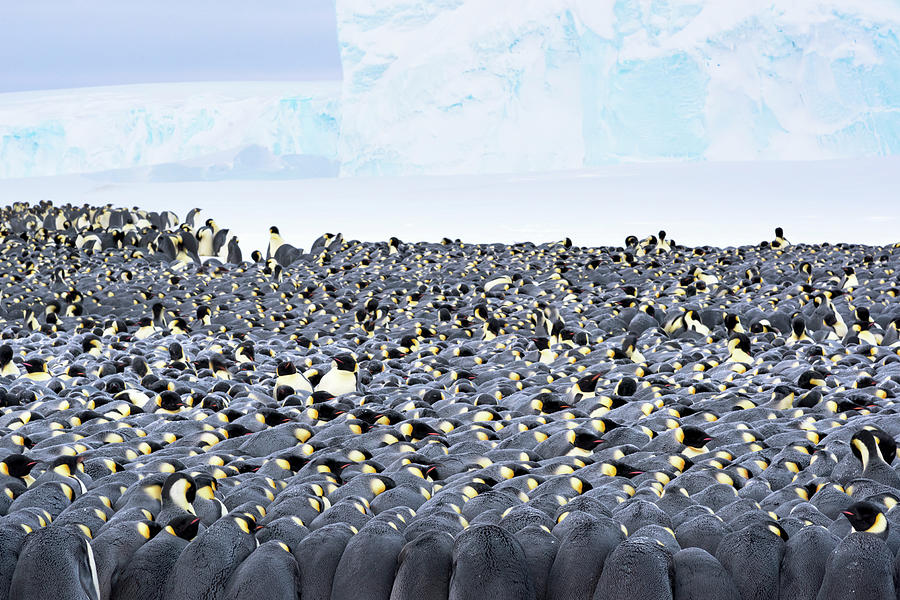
[[56, 563]]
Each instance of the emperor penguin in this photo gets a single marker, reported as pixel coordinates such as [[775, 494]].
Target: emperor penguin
[[547, 356], [866, 449], [866, 517], [7, 367], [780, 242], [488, 562], [849, 281], [803, 565], [286, 375], [699, 575], [753, 556], [639, 567], [56, 563], [341, 378], [798, 332], [230, 540], [370, 555], [235, 256], [275, 242], [739, 349], [861, 566], [178, 492], [36, 369], [272, 563], [144, 577], [424, 567], [205, 236]]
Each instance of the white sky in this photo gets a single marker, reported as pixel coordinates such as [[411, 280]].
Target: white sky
[[696, 203]]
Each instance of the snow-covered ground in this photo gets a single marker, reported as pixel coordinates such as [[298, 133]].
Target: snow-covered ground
[[697, 203]]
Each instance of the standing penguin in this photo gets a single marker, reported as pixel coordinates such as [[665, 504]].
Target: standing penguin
[[272, 563], [196, 576], [370, 556], [862, 566], [540, 547], [56, 563], [423, 567], [115, 546], [753, 557], [235, 256], [286, 375], [205, 237], [803, 565], [144, 577], [7, 366], [275, 242], [488, 562], [341, 378], [583, 551], [637, 568], [322, 549], [699, 576]]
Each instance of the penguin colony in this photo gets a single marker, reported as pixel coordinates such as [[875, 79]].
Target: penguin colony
[[452, 421]]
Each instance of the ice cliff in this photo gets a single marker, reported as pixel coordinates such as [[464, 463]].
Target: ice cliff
[[454, 86], [476, 86], [99, 129]]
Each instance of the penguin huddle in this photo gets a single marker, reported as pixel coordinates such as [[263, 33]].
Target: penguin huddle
[[441, 420]]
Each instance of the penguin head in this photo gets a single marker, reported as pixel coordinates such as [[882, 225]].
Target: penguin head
[[88, 344], [184, 526], [35, 365], [866, 517], [17, 465], [176, 352], [739, 341], [274, 230], [345, 362], [6, 354], [180, 489], [67, 466], [693, 437], [627, 386], [585, 439], [779, 232], [864, 446], [169, 400], [285, 368], [798, 326]]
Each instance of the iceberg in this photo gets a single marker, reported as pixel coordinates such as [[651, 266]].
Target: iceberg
[[467, 86], [448, 87], [216, 125]]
